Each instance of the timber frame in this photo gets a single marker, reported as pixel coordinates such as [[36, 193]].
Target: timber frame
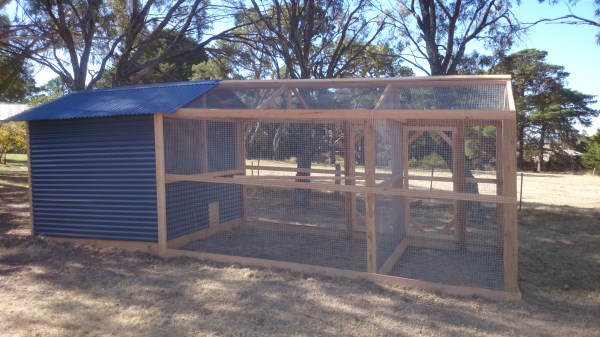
[[361, 124]]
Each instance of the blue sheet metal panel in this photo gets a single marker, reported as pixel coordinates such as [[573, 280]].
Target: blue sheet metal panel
[[94, 178], [124, 101]]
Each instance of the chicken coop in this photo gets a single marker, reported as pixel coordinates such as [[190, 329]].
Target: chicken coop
[[410, 181]]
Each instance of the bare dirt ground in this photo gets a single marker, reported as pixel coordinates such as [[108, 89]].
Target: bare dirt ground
[[49, 289]]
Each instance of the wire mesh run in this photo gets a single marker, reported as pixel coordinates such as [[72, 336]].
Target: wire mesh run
[[413, 198]]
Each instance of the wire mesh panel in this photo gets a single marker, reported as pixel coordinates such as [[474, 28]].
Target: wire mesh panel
[[415, 197]]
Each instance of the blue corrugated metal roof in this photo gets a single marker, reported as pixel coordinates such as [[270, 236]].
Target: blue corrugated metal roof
[[123, 101]]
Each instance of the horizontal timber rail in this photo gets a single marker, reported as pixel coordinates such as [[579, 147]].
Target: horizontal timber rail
[[256, 181], [392, 280], [331, 114]]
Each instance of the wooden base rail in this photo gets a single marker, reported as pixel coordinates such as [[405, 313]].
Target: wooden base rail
[[334, 272], [256, 181]]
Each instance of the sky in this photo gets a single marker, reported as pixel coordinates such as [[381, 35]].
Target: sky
[[573, 47]]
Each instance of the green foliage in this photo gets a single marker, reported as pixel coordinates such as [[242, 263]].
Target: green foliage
[[591, 156], [52, 90], [13, 137], [480, 147], [428, 162], [16, 80]]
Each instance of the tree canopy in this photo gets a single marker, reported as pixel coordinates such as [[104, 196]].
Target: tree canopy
[[547, 110]]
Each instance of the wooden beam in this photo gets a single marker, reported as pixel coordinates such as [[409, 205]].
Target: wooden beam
[[293, 169], [357, 275], [256, 181], [445, 137], [317, 115], [396, 131], [509, 181], [384, 96], [458, 175], [29, 180], [300, 98], [426, 81], [509, 95], [391, 261], [370, 216], [161, 194], [414, 137], [277, 94]]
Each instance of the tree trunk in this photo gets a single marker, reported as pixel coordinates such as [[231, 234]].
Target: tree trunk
[[521, 148], [540, 164], [301, 196]]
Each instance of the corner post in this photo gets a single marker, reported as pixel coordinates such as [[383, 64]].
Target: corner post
[[509, 186], [161, 207]]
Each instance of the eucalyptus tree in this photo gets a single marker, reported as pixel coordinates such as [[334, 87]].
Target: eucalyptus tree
[[80, 40], [439, 34]]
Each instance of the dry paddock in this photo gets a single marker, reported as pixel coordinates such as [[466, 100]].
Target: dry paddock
[[49, 289]]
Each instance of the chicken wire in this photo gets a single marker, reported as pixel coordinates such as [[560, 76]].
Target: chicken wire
[[253, 206]]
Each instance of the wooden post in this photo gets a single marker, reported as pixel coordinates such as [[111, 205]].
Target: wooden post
[[370, 220], [30, 187], [161, 202], [458, 174], [349, 169], [241, 162], [396, 137], [509, 181]]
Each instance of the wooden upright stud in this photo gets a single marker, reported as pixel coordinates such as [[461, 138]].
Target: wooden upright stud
[[458, 174], [371, 224], [509, 181], [161, 202]]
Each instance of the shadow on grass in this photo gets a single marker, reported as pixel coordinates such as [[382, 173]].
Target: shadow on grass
[[13, 200], [559, 252], [186, 297]]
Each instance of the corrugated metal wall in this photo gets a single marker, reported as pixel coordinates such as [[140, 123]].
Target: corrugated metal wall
[[94, 178], [188, 202]]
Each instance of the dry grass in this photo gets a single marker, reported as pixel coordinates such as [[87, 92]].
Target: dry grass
[[49, 289]]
